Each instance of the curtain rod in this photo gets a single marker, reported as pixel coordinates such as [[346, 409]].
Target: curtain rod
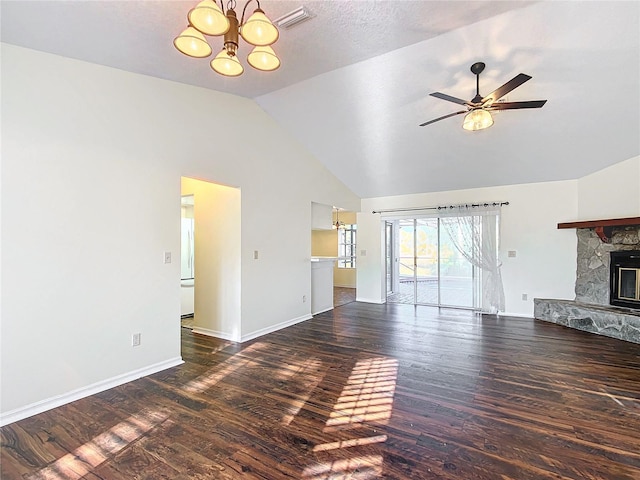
[[443, 207]]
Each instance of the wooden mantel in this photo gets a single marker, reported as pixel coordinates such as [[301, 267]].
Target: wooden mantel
[[603, 228]]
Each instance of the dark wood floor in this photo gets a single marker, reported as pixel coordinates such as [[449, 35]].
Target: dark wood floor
[[363, 392], [343, 295]]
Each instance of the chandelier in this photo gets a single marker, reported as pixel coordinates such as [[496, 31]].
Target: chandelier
[[209, 18], [338, 225]]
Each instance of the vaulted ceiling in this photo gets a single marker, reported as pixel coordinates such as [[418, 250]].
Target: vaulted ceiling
[[355, 80]]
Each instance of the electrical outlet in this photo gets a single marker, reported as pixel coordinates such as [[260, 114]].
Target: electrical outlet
[[511, 254], [525, 296], [255, 254], [304, 298], [135, 339]]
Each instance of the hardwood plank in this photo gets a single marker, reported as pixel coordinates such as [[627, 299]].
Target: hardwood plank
[[364, 391]]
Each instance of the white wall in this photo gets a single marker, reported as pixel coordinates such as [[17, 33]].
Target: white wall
[[613, 192], [217, 213], [545, 262], [81, 145]]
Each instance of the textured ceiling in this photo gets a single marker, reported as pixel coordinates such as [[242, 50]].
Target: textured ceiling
[[355, 80], [137, 36]]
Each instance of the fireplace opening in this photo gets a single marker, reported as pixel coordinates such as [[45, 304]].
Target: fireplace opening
[[625, 279]]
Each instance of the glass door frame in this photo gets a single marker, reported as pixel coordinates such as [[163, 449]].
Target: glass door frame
[[392, 236], [391, 259]]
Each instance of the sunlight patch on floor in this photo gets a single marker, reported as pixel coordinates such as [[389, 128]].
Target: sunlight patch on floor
[[353, 442], [88, 456], [367, 397], [307, 377], [366, 467], [217, 373], [219, 348], [368, 394], [291, 369]]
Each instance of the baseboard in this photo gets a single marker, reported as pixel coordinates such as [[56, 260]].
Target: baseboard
[[274, 328], [370, 300], [215, 333], [322, 311], [59, 400]]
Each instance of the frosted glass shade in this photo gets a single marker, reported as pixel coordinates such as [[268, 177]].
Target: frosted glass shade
[[258, 30], [191, 42], [208, 18], [477, 120], [227, 65], [263, 58]]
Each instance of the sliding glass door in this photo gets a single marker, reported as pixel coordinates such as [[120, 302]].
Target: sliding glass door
[[391, 277], [427, 261], [459, 284], [429, 268]]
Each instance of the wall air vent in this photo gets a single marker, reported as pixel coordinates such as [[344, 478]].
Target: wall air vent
[[293, 18]]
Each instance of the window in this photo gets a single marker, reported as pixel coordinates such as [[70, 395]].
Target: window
[[347, 246]]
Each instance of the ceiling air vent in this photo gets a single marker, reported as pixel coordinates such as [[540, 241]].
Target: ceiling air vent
[[293, 18]]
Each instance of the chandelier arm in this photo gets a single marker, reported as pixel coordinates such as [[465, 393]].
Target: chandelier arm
[[245, 9]]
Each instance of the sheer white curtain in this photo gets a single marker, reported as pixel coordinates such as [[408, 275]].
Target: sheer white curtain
[[474, 231]]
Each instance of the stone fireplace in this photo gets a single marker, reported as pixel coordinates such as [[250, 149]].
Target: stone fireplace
[[593, 273], [592, 309]]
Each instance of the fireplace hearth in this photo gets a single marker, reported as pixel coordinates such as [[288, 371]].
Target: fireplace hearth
[[606, 301], [624, 283]]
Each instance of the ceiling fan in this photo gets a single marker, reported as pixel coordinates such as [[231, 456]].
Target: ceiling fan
[[479, 108]]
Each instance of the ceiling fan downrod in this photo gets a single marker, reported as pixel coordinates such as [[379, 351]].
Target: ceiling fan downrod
[[477, 68]]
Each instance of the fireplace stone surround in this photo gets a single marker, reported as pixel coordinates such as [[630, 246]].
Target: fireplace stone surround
[[591, 311]]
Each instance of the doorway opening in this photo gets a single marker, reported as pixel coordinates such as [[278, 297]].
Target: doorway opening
[[334, 237], [211, 258]]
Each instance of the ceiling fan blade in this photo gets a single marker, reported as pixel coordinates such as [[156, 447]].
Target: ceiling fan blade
[[500, 92], [449, 98], [516, 105], [442, 118]]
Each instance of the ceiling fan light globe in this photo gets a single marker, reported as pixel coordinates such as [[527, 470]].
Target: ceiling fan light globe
[[263, 58], [208, 18], [258, 30], [227, 64], [192, 43], [477, 120]]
